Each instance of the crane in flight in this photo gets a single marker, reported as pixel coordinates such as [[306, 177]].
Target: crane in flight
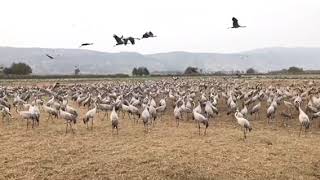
[[235, 23], [85, 44], [130, 39], [120, 40], [148, 35], [50, 57]]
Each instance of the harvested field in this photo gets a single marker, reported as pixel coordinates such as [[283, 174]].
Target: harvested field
[[166, 152]]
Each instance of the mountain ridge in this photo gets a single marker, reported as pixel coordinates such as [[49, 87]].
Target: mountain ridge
[[97, 62]]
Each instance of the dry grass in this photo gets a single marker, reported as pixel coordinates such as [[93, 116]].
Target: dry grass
[[167, 152]]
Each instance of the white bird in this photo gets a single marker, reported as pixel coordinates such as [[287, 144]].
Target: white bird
[[210, 109], [134, 111], [69, 118], [90, 115], [297, 101], [145, 115], [18, 102], [289, 105], [125, 108], [153, 103], [256, 110], [188, 107], [5, 112], [35, 110], [135, 102], [239, 114], [244, 111], [271, 111], [177, 115], [316, 102], [71, 110], [232, 107], [161, 110], [114, 119], [51, 111], [28, 115], [50, 102], [203, 98], [105, 108], [244, 123], [56, 105], [162, 102], [153, 114], [304, 120], [200, 119], [198, 109]]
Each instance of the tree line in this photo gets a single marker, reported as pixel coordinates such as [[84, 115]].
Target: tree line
[[291, 70], [17, 69], [140, 71], [25, 69]]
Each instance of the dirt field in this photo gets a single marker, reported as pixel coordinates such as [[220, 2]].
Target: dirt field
[[167, 152]]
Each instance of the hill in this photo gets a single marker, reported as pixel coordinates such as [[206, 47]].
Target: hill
[[95, 62]]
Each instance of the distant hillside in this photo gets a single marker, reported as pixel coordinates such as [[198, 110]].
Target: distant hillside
[[95, 62]]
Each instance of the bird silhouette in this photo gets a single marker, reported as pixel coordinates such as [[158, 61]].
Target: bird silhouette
[[119, 40], [235, 23], [130, 39], [148, 35], [85, 44], [49, 56]]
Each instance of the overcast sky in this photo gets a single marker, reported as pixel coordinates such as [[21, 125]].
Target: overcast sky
[[181, 25]]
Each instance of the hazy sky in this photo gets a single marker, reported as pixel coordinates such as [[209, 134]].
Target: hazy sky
[[181, 25]]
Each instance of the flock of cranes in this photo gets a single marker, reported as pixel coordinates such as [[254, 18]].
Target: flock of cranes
[[119, 41], [195, 100], [125, 41]]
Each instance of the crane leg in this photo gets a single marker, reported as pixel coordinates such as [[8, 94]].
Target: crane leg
[[300, 130], [177, 122], [71, 128], [66, 127]]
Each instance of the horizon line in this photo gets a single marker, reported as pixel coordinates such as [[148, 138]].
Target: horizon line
[[174, 51]]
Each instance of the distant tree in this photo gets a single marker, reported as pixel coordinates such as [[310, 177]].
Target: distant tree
[[19, 69], [77, 71], [219, 73], [134, 71], [251, 71], [7, 71], [140, 71], [237, 72], [146, 71], [191, 70], [295, 70], [1, 69]]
